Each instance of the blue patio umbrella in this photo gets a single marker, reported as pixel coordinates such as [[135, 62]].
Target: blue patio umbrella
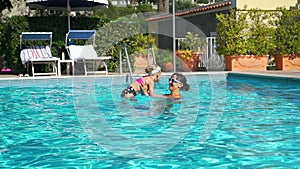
[[67, 5]]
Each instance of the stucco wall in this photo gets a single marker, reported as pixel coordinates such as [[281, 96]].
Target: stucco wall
[[264, 4], [203, 25]]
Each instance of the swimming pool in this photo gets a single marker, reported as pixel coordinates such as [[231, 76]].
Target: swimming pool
[[233, 121]]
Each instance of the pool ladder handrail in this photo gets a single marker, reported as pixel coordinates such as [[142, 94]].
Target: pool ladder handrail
[[150, 47]]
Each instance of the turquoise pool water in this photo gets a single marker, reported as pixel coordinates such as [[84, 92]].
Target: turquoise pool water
[[238, 121]]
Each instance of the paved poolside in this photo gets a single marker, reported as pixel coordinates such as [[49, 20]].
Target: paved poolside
[[276, 73]]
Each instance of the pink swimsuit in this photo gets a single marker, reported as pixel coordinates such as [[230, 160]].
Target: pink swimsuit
[[140, 81]]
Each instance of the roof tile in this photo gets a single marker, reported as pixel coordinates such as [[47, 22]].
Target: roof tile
[[191, 11]]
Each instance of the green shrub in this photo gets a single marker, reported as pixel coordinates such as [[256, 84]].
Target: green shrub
[[114, 35], [10, 41], [14, 26], [288, 33], [246, 32], [136, 39], [230, 30]]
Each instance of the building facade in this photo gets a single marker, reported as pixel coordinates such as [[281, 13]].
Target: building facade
[[202, 20]]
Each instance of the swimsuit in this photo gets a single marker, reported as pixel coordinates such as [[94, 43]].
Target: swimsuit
[[128, 90], [140, 81]]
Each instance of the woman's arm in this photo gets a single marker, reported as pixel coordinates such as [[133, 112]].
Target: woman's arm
[[151, 91]]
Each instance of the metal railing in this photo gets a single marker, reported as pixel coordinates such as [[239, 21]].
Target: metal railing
[[209, 59], [130, 75]]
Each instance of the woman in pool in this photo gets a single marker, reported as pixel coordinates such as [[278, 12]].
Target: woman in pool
[[177, 82], [144, 85]]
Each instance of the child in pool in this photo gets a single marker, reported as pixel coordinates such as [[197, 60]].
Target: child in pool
[[144, 85], [177, 82]]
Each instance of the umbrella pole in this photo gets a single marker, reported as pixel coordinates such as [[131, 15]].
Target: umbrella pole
[[69, 21], [69, 11], [174, 35]]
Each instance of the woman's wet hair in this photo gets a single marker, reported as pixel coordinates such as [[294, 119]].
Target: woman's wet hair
[[182, 79]]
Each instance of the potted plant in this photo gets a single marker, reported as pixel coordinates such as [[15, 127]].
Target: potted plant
[[190, 50], [287, 51], [165, 59], [245, 38]]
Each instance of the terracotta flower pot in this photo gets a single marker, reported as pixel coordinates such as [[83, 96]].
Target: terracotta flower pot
[[190, 65], [246, 62], [287, 62], [189, 60], [167, 67]]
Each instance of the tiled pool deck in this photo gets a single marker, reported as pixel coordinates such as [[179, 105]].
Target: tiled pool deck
[[287, 74]]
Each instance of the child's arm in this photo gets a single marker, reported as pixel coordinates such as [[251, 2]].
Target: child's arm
[[145, 90], [152, 93]]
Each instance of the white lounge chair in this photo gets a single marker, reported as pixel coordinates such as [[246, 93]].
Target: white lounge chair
[[85, 53], [38, 54]]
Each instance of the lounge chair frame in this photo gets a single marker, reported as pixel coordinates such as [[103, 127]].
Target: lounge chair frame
[[87, 59], [37, 36]]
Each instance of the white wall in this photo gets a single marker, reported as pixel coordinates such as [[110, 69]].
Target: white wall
[[264, 4]]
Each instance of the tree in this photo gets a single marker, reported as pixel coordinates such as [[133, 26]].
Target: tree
[[182, 5], [5, 4], [9, 8]]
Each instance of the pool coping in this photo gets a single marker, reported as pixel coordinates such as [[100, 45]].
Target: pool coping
[[283, 74]]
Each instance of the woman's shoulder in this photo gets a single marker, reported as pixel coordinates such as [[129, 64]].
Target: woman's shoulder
[[169, 96]]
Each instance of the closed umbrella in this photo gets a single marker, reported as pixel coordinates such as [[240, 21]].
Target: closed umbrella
[[67, 5]]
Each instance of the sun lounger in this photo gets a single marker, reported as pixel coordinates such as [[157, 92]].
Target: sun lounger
[[85, 53], [38, 54]]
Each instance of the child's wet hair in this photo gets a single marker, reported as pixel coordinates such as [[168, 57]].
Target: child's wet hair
[[150, 68], [182, 78]]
